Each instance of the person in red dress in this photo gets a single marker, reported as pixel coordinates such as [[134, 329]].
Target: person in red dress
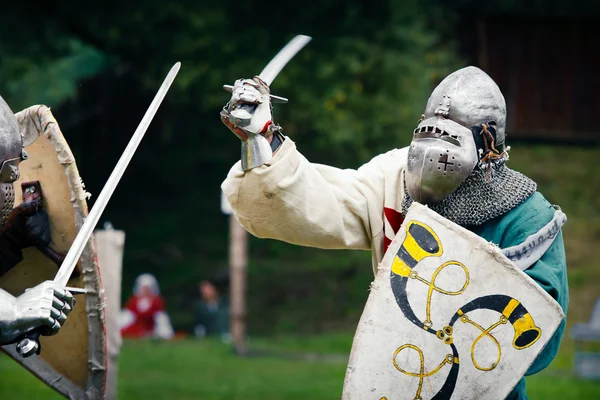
[[144, 315]]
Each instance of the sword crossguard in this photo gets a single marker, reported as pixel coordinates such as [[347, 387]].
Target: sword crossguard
[[274, 99], [31, 344]]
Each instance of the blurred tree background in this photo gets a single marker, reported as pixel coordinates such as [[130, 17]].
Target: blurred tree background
[[356, 90]]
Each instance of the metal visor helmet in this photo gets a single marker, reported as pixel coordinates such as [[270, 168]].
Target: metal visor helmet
[[11, 154], [441, 156], [464, 121]]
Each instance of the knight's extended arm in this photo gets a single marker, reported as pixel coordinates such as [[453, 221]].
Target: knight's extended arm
[[286, 197], [293, 200], [44, 306]]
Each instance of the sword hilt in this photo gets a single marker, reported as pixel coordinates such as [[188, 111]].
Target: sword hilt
[[274, 99], [30, 345]]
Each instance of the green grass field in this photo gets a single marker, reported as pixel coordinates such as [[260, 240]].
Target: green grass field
[[209, 370]]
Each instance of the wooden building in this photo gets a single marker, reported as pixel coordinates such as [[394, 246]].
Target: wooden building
[[547, 64]]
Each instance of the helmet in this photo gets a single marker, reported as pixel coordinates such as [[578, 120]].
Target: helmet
[[463, 127], [11, 154]]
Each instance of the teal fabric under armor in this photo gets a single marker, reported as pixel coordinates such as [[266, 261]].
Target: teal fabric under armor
[[550, 271]]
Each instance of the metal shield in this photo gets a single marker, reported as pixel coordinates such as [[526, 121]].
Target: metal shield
[[448, 317], [73, 362]]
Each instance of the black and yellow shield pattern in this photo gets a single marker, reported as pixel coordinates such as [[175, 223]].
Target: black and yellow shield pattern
[[448, 317]]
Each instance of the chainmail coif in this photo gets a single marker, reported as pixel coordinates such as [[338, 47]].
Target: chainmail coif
[[476, 200]]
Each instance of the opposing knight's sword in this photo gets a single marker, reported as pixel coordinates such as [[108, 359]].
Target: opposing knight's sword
[[270, 72], [30, 345]]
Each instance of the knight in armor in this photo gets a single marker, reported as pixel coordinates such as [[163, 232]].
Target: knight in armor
[[45, 306], [456, 164]]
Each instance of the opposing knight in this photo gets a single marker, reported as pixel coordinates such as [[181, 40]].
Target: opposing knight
[[455, 164], [46, 305]]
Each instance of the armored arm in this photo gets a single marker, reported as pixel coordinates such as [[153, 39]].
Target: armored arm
[[276, 193], [293, 200], [8, 317], [45, 306]]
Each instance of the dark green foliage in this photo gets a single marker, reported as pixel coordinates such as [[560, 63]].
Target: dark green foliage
[[356, 90]]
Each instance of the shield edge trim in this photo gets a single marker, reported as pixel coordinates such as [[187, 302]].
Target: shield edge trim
[[42, 118], [46, 373]]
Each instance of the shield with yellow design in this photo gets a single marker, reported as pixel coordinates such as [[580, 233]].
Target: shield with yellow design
[[448, 317]]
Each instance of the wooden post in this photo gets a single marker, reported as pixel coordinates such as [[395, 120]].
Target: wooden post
[[238, 260]]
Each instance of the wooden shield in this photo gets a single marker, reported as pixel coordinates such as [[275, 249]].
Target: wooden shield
[[448, 317], [73, 361]]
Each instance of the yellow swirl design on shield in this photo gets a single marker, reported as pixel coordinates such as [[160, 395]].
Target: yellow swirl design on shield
[[422, 242], [449, 359]]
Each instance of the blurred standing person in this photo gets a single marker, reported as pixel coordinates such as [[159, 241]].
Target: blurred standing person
[[212, 312], [144, 315]]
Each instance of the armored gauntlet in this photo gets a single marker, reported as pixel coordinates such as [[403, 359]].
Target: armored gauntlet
[[45, 306], [248, 116]]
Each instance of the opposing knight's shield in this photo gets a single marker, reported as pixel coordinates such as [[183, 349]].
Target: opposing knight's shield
[[73, 361], [448, 317]]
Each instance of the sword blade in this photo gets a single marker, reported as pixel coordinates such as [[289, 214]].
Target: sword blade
[[68, 265], [270, 72]]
